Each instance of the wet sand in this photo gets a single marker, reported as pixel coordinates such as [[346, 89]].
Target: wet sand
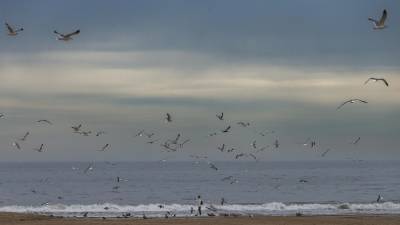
[[29, 219]]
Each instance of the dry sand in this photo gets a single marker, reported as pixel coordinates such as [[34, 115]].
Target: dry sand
[[13, 218]]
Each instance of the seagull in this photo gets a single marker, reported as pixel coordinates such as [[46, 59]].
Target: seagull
[[40, 149], [76, 128], [89, 168], [221, 148], [24, 137], [325, 152], [220, 116], [12, 31], [356, 141], [253, 144], [378, 25], [1, 115], [243, 124], [226, 130], [66, 37], [104, 147], [16, 145], [276, 143], [168, 118], [376, 80], [212, 166], [351, 101], [140, 133], [44, 121]]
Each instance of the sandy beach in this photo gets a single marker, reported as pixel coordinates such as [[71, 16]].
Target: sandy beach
[[28, 219]]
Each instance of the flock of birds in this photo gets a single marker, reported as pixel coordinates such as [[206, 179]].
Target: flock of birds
[[176, 143]]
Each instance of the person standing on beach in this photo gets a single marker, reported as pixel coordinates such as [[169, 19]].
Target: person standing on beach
[[199, 205]]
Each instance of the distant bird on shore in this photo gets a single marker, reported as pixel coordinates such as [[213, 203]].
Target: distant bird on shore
[[66, 37], [220, 116], [351, 101], [44, 121], [12, 31], [376, 80], [168, 118], [40, 149], [24, 137], [378, 25]]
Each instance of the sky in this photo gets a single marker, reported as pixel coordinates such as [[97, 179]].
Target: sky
[[280, 65]]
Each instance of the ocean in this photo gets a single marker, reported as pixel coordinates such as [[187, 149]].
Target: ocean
[[155, 188]]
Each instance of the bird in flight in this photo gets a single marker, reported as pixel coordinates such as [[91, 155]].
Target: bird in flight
[[24, 137], [351, 101], [16, 145], [212, 166], [226, 130], [378, 25], [44, 121], [243, 124], [376, 80], [12, 31], [220, 116], [168, 118], [221, 148], [1, 115], [356, 141], [66, 37], [76, 128], [325, 152], [40, 149], [105, 147]]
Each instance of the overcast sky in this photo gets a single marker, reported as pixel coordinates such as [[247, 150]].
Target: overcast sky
[[280, 65]]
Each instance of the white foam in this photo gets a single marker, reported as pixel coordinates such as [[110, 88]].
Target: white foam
[[273, 208]]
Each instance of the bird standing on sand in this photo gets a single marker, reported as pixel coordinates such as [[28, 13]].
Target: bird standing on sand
[[66, 37], [378, 25]]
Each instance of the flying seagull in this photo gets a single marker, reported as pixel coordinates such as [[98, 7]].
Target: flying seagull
[[356, 141], [212, 166], [350, 101], [168, 118], [226, 130], [44, 121], [376, 80], [104, 147], [66, 37], [12, 31], [24, 137], [1, 115], [378, 25], [243, 124], [221, 148], [16, 145], [220, 116], [40, 149]]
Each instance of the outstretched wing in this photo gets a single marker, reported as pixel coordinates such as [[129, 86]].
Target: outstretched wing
[[384, 81], [360, 100], [10, 29], [367, 81], [62, 35], [73, 33], [383, 18], [341, 105]]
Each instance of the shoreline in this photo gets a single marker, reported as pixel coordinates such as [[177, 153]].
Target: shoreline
[[33, 219]]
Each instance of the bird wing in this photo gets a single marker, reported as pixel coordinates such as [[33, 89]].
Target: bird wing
[[367, 80], [341, 105], [360, 100], [73, 33], [373, 20], [10, 29], [383, 18], [60, 34], [384, 81]]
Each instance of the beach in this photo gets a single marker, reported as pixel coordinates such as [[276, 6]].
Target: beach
[[30, 219]]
